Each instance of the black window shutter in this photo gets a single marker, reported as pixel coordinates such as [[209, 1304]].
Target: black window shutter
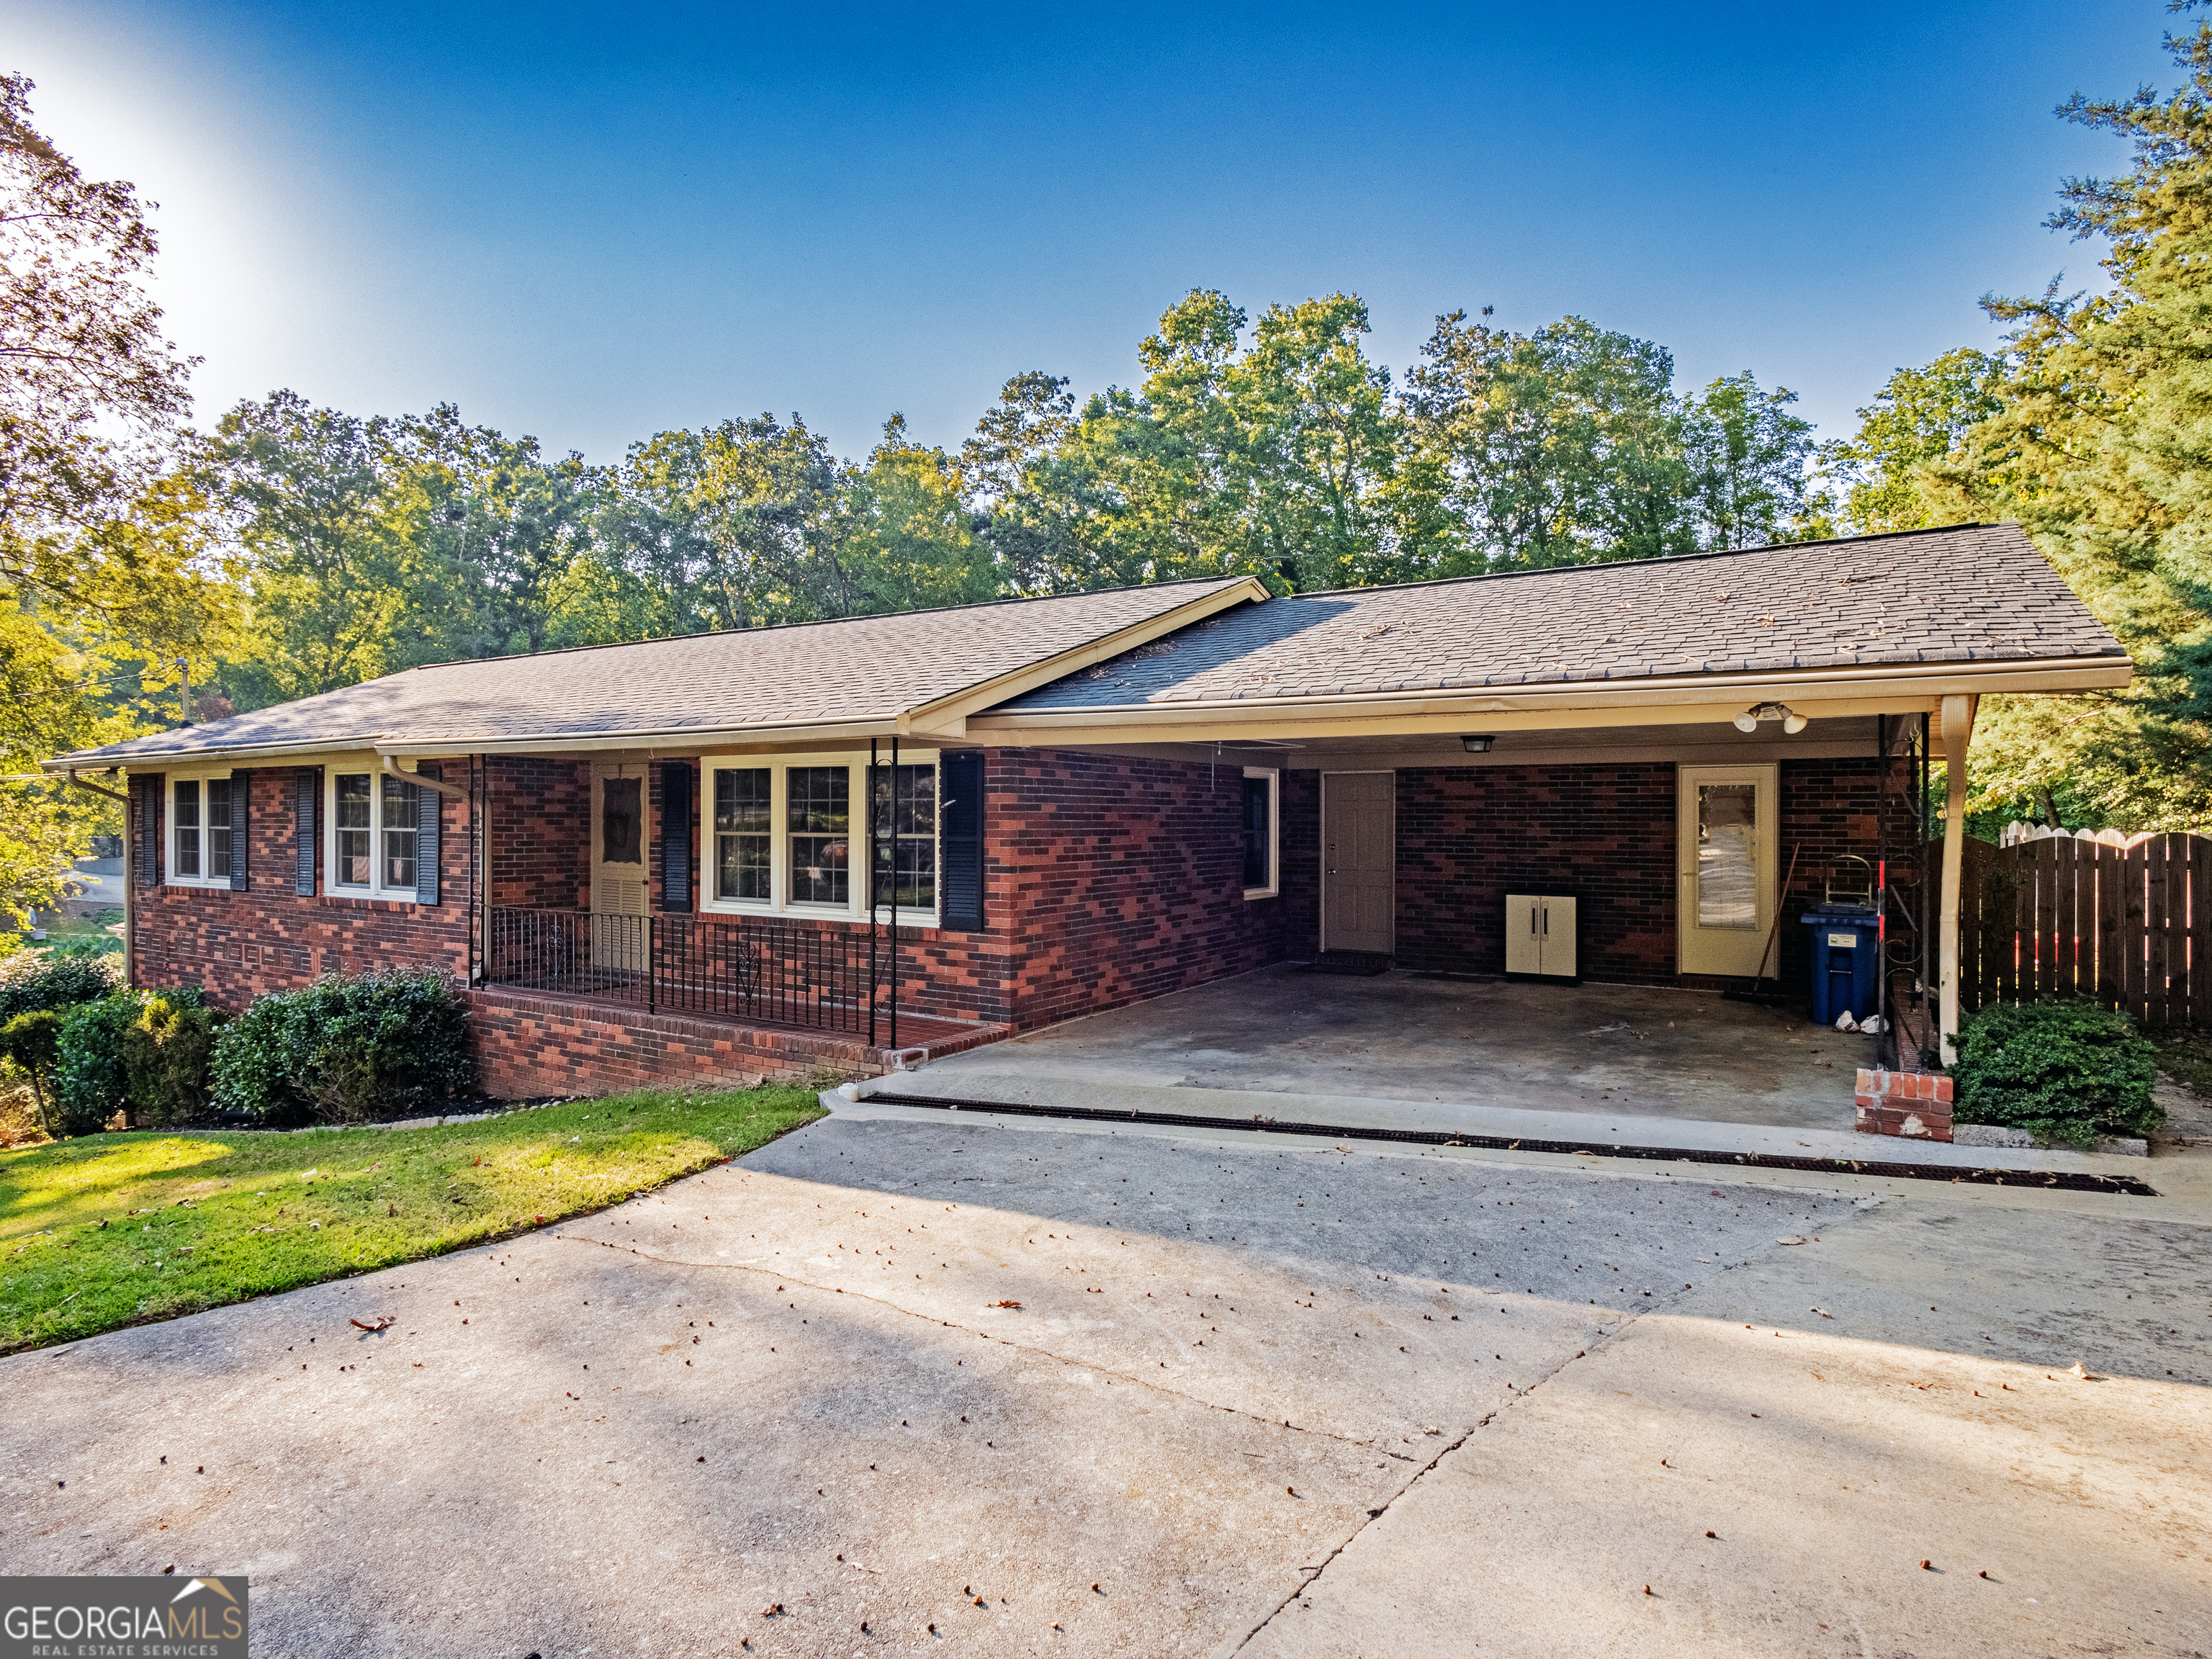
[[960, 835], [675, 835], [241, 827], [430, 815], [307, 845], [149, 830]]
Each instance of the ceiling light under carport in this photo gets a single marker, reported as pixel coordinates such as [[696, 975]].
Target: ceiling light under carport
[[1477, 745], [1792, 721]]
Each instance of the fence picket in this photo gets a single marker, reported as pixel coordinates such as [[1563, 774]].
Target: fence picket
[[2158, 917], [2199, 935], [2045, 979], [2066, 936]]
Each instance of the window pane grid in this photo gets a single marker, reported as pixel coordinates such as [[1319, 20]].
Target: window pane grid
[[817, 810], [188, 827], [743, 813], [218, 827], [400, 802], [1257, 838], [350, 821], [906, 837]]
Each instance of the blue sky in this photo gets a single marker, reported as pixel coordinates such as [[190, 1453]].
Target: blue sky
[[593, 223]]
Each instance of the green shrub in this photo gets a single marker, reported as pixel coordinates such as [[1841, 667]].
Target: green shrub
[[2063, 1070], [343, 1049], [90, 1085], [54, 979], [31, 1042], [166, 1053]]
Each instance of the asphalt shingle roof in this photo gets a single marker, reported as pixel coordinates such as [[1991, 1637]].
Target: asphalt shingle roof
[[856, 669], [1963, 594]]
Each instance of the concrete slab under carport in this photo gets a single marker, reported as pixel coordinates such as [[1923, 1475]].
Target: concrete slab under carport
[[1607, 1050]]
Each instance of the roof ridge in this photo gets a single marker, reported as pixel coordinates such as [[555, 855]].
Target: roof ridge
[[818, 621], [1667, 558]]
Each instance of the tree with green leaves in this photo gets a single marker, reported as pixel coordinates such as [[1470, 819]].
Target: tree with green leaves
[[2093, 428], [106, 572]]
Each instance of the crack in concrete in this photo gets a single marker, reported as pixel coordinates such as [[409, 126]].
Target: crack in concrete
[[1310, 1575]]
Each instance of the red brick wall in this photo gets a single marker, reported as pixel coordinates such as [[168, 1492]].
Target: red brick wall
[[1301, 864], [1603, 835], [1118, 879], [1829, 808], [239, 946], [540, 822]]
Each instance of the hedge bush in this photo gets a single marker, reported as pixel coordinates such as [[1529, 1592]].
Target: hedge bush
[[167, 1053], [2062, 1071], [343, 1049], [54, 980]]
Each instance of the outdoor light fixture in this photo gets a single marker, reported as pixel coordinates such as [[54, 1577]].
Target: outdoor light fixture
[[1792, 721], [1477, 745]]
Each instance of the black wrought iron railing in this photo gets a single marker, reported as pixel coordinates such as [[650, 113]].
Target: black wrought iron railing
[[778, 972]]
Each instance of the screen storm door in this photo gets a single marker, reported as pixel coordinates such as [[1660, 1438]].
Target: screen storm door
[[618, 873], [1359, 861], [1725, 841]]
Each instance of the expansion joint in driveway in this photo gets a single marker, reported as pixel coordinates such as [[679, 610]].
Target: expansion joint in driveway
[[989, 1336], [1308, 1575]]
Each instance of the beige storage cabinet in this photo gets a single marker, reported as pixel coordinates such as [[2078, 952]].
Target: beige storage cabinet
[[1539, 937]]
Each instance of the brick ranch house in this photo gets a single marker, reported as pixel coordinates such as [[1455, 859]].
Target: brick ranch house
[[862, 841]]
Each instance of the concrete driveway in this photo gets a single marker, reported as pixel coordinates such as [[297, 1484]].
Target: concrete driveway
[[1257, 1396]]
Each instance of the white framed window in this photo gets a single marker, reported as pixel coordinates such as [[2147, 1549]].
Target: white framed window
[[376, 822], [788, 835], [206, 819], [1263, 834]]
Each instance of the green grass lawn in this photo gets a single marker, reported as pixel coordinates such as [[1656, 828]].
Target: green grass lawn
[[115, 1229]]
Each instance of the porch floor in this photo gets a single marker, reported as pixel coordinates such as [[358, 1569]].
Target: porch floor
[[1611, 1050]]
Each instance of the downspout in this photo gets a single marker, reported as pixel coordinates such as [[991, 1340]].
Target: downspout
[[1957, 725], [129, 913], [391, 767]]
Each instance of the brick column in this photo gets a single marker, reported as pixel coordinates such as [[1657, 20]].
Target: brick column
[[1915, 1105]]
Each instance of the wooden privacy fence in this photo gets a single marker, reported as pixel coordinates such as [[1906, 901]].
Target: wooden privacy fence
[[2128, 927]]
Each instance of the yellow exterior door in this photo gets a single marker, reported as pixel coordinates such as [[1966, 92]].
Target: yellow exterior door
[[1726, 839]]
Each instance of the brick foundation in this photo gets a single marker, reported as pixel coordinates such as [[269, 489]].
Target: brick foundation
[[529, 1043], [1913, 1104]]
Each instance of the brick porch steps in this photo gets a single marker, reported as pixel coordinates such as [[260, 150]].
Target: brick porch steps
[[546, 1042]]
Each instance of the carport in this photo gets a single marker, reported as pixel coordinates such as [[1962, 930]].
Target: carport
[[1612, 1051]]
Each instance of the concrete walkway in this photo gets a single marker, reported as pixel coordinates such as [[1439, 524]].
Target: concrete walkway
[[1255, 1397], [1608, 1049]]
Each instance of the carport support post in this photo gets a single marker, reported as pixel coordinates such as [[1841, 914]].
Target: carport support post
[[1956, 717]]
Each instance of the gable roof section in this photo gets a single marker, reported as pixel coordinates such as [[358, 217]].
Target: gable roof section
[[1965, 594], [857, 675]]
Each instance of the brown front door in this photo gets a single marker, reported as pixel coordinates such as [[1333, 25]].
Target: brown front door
[[1359, 861]]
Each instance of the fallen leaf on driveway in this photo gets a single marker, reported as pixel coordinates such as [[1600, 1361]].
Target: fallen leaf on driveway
[[384, 1323], [1006, 1304], [1793, 1238]]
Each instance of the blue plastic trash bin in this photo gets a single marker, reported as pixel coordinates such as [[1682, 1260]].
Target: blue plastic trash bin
[[1846, 964]]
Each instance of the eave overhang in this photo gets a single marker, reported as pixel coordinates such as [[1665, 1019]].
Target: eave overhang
[[1681, 700]]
